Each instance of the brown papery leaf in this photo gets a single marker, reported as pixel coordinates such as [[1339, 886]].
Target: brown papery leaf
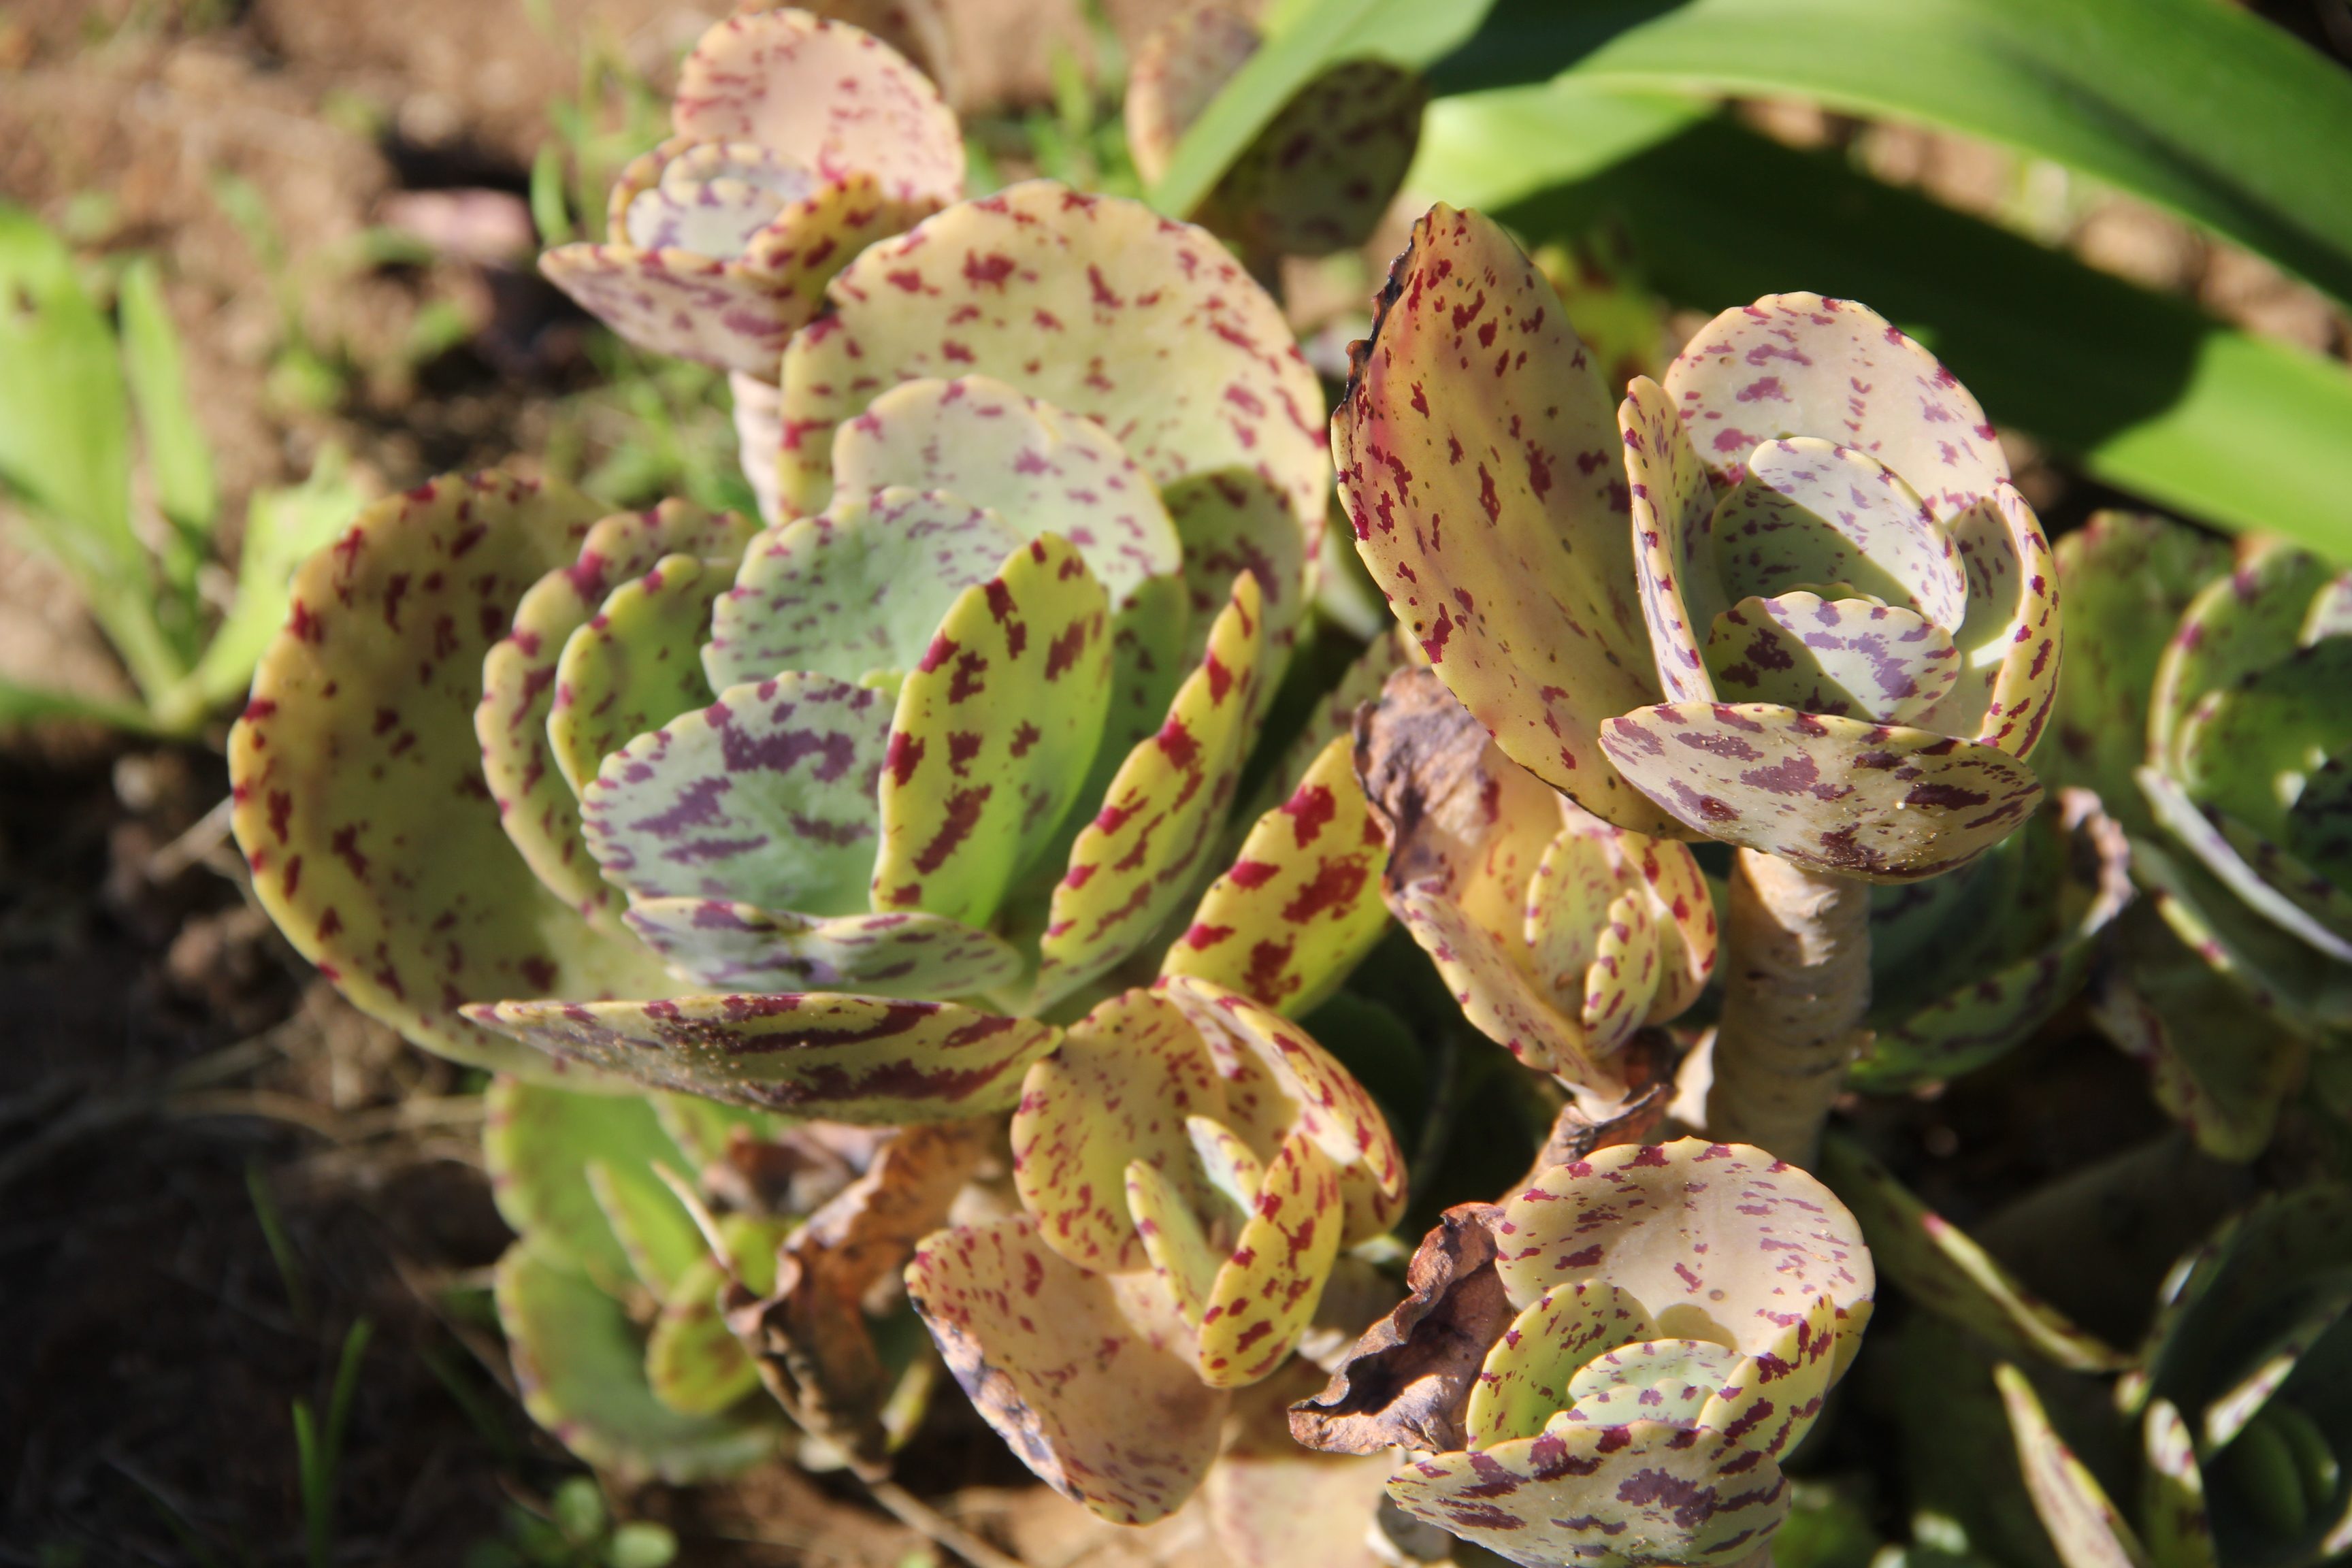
[[814, 1344], [1649, 1062], [1419, 753], [1409, 1377]]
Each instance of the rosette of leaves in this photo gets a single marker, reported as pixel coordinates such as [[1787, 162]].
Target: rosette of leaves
[[796, 141], [1318, 178], [963, 731], [1608, 1368], [1191, 1167], [2240, 1403], [2208, 710]]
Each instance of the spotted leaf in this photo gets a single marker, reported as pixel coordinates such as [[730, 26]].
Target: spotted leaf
[[539, 1143], [1673, 555], [861, 1059], [580, 1365], [694, 1363], [1811, 514], [1087, 1377], [1097, 305], [1234, 521], [766, 796], [995, 728], [1302, 904], [2089, 1530], [634, 668], [1178, 68], [1883, 802], [1528, 1374], [1321, 175], [1114, 1094], [1479, 460], [2235, 625], [2008, 645], [1667, 1381], [361, 805], [1265, 1292], [855, 591], [1134, 862], [1844, 657], [742, 947]]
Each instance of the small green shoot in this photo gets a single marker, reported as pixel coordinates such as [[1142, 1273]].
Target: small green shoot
[[575, 1531], [319, 1451], [282, 1244]]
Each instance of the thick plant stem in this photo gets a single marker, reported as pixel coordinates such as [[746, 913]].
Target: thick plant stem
[[759, 439], [1796, 985]]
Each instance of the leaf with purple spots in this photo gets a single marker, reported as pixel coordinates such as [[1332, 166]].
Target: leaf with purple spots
[[1266, 1289], [361, 807], [1673, 554], [1670, 1382], [1038, 468], [536, 803], [766, 796], [1811, 514], [636, 667], [857, 589], [1942, 1269], [1845, 656], [1529, 1373], [862, 1060], [2089, 1530], [1232, 521], [1479, 461], [1321, 175], [732, 946], [2008, 645], [1592, 939], [1060, 1361], [1882, 803], [1301, 905], [2235, 625], [1133, 864], [1096, 304], [996, 727]]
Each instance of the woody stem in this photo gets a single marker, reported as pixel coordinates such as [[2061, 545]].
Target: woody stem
[[1796, 986]]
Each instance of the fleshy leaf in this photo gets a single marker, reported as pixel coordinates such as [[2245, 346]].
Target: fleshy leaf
[[1674, 556], [2247, 753], [1266, 1291], [694, 1363], [995, 728], [634, 668], [2270, 882], [360, 801], [860, 1060], [1320, 176], [858, 589], [1766, 1236], [538, 1144], [1175, 1242], [1883, 802], [1089, 1377], [2008, 645], [1798, 365], [1529, 1374], [1844, 657], [581, 1370], [1115, 1092], [1776, 1391], [1232, 522], [1134, 862], [1668, 1380], [708, 197], [733, 311], [1590, 939], [2125, 579], [1154, 332], [2086, 1527], [1302, 904], [2172, 1498], [1604, 1497], [1942, 1269], [742, 947], [1178, 68], [767, 796], [537, 804], [1811, 513], [1531, 618], [2234, 627], [1039, 469], [833, 96], [654, 1230]]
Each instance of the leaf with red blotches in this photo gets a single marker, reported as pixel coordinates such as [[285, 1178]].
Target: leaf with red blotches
[[1132, 865], [1321, 175], [1407, 1381], [995, 729], [766, 796], [1881, 803], [1301, 904], [634, 666], [1087, 1377], [811, 1333], [741, 947], [1178, 68], [1264, 1289], [862, 1060], [361, 805], [537, 804], [1478, 456]]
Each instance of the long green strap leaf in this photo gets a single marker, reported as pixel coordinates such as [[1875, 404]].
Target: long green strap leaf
[[2199, 108], [2146, 393], [178, 459]]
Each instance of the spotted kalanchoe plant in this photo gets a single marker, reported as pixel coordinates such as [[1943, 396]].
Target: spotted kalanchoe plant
[[796, 141], [902, 752], [1607, 1368], [1808, 615], [2208, 710], [1190, 1165]]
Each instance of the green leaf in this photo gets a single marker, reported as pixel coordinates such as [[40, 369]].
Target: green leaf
[[22, 704], [2146, 393], [65, 424], [178, 459], [2205, 111], [281, 527]]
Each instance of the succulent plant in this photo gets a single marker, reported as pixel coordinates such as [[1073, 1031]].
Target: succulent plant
[[905, 755], [1608, 1367], [1190, 1165], [796, 141], [2210, 718]]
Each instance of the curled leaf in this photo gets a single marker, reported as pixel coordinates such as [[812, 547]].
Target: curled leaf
[[741, 947]]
